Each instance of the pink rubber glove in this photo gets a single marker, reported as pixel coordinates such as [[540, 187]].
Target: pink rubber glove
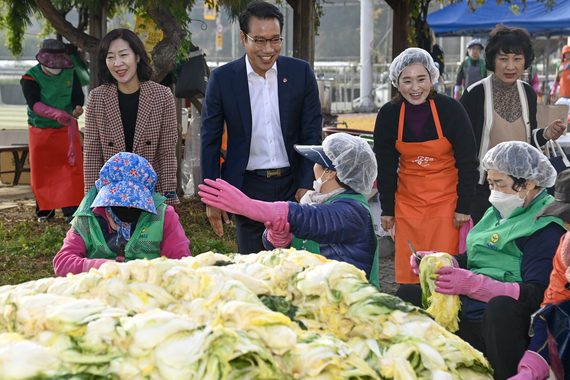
[[455, 281], [456, 93], [278, 233], [554, 88], [414, 263], [532, 367], [416, 266], [71, 131], [60, 116], [463, 232], [224, 196]]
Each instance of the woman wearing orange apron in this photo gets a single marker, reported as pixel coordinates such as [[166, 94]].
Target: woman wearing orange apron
[[53, 92], [427, 163]]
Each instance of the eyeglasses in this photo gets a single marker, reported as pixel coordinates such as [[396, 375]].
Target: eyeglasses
[[261, 42]]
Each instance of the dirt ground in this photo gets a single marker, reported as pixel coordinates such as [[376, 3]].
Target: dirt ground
[[17, 204]]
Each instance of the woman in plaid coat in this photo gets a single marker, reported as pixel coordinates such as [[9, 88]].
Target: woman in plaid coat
[[130, 113]]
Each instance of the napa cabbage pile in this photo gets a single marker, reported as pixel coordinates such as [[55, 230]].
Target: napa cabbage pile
[[281, 314], [444, 307]]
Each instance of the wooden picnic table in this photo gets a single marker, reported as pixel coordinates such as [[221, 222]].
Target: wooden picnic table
[[19, 162]]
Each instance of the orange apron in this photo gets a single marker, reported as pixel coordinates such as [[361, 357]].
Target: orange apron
[[426, 198], [55, 183]]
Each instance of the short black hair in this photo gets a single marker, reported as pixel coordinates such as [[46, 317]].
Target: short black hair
[[144, 69], [509, 40], [341, 184], [519, 183], [261, 10]]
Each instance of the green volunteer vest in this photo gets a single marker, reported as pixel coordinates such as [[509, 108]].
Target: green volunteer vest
[[55, 92], [314, 247], [469, 62], [82, 71], [144, 242], [491, 246]]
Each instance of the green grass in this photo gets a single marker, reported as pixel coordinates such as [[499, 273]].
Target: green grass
[[26, 254], [27, 248]]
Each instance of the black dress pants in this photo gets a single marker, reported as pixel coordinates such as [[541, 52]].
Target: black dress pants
[[276, 188], [502, 336]]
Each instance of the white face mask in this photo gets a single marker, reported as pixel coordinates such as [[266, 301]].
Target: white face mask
[[52, 71], [319, 182], [506, 203]]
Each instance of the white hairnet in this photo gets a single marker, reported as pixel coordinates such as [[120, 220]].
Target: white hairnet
[[353, 159], [521, 160], [409, 57]]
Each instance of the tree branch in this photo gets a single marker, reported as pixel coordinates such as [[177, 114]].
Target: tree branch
[[66, 29], [164, 53]]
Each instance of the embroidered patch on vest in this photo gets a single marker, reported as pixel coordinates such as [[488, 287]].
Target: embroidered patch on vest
[[494, 240]]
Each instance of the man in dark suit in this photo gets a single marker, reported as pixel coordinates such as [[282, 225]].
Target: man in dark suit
[[269, 103]]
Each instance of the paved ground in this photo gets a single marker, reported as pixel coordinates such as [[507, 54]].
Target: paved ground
[[14, 196], [387, 276]]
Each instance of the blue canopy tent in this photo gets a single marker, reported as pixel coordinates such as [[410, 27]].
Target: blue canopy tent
[[458, 20]]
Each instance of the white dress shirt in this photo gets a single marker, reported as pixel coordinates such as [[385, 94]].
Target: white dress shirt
[[267, 148]]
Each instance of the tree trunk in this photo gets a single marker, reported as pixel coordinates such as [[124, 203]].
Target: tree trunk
[[401, 29], [97, 29], [66, 29], [164, 53], [303, 29]]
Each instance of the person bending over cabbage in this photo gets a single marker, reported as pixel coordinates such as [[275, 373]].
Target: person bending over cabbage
[[334, 220], [502, 276], [120, 219]]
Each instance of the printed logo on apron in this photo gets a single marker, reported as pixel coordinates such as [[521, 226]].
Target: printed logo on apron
[[423, 161], [425, 199]]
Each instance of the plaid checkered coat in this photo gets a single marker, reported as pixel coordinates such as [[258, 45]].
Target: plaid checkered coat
[[156, 134]]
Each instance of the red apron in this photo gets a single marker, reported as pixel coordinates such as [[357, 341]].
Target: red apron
[[426, 198], [55, 183]]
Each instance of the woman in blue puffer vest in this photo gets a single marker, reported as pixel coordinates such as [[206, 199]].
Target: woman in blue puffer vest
[[334, 220]]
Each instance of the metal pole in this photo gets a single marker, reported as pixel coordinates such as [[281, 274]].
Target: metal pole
[[366, 44], [547, 57]]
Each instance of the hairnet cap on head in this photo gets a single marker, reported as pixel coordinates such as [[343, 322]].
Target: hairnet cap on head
[[475, 42], [521, 160], [315, 153], [126, 180], [409, 57], [353, 159], [52, 55]]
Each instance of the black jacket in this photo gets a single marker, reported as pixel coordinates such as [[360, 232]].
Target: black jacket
[[474, 103], [456, 128]]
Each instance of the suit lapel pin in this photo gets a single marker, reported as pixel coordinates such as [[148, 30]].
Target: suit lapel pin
[[284, 80]]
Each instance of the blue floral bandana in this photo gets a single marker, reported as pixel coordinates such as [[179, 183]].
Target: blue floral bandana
[[126, 180], [123, 228]]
